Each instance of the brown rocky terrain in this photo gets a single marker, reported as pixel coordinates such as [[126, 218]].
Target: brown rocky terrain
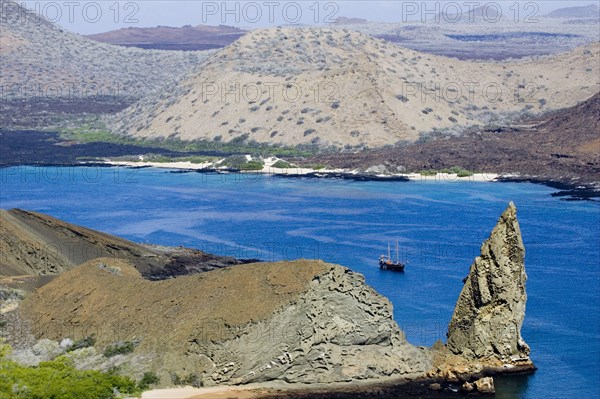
[[301, 322], [562, 146], [345, 89], [246, 324], [201, 37]]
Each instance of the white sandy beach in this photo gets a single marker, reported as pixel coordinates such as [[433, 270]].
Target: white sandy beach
[[268, 169]]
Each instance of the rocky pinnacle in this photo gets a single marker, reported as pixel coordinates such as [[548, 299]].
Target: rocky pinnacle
[[487, 320]]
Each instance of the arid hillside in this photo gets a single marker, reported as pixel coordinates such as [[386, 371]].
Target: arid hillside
[[40, 60], [252, 323], [562, 146], [346, 89]]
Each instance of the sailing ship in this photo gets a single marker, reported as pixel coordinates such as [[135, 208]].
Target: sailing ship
[[386, 262]]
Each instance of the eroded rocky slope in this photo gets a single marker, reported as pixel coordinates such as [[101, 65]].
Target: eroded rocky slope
[[561, 146], [303, 321]]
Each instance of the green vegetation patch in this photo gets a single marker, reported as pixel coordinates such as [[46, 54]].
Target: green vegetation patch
[[240, 145], [59, 379], [242, 163], [82, 343], [148, 379], [458, 171], [282, 165], [119, 348]]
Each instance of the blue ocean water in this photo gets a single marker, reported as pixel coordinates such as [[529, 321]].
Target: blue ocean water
[[439, 225]]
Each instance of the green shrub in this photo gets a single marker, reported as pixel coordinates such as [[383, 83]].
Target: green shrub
[[235, 161], [148, 379], [82, 343], [282, 164], [253, 165], [464, 173], [120, 348], [458, 171], [5, 349], [240, 162], [428, 172], [191, 379]]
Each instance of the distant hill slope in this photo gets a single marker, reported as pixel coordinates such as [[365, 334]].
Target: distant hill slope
[[489, 13], [589, 11], [35, 244], [574, 131], [341, 88], [201, 37], [40, 57]]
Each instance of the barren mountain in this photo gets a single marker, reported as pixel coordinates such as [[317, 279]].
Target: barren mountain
[[589, 11], [341, 88], [201, 37], [41, 60]]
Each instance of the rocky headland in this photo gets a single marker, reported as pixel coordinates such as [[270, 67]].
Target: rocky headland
[[298, 324]]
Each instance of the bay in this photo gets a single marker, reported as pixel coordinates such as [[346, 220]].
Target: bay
[[439, 226]]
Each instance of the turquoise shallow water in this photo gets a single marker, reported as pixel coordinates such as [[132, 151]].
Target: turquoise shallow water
[[440, 226]]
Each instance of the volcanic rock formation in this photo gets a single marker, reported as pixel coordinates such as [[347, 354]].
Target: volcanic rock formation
[[489, 314]]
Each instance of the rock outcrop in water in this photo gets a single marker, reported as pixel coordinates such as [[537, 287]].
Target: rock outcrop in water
[[489, 314]]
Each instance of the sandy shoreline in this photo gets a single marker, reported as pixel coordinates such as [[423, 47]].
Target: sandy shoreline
[[269, 170], [225, 392]]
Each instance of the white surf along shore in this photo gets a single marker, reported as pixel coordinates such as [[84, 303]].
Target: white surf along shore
[[293, 171]]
